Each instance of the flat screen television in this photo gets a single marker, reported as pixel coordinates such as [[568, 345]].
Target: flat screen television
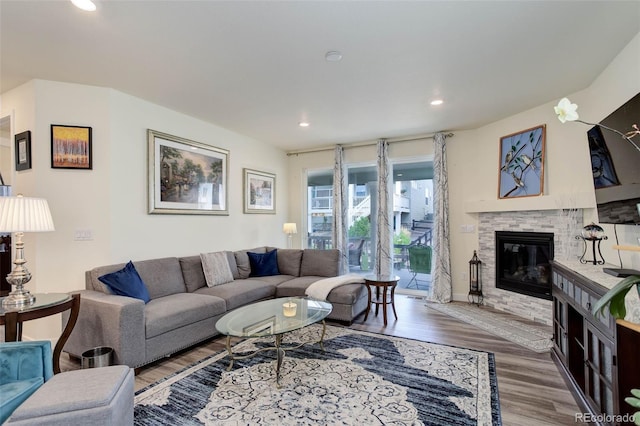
[[615, 164]]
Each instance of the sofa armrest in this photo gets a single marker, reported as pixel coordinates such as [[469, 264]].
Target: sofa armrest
[[109, 320]]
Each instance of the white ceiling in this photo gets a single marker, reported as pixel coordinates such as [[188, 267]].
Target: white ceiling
[[258, 68]]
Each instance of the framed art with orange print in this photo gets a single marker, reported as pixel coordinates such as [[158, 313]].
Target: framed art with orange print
[[71, 147]]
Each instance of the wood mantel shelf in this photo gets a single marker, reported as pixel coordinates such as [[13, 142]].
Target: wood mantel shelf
[[626, 248]]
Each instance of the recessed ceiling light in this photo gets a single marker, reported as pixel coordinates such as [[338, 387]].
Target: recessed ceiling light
[[303, 124], [87, 5], [437, 102], [333, 56]]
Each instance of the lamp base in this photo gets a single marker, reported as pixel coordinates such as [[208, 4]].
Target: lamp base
[[18, 299]]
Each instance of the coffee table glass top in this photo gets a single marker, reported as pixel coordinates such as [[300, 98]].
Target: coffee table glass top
[[272, 317]]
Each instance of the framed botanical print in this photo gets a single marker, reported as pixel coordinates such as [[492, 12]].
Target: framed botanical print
[[186, 177], [259, 192], [23, 150], [521, 163]]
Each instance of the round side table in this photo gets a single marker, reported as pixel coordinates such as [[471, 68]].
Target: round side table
[[385, 284], [46, 304]]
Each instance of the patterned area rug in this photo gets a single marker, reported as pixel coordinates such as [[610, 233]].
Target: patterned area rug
[[535, 338], [361, 378]]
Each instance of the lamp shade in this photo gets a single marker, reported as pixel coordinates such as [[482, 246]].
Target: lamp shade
[[25, 214], [289, 228]]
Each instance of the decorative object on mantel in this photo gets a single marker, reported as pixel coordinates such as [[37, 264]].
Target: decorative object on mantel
[[475, 280], [22, 214], [595, 234]]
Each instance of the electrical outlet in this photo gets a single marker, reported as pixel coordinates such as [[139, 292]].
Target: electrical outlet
[[83, 235], [467, 229]]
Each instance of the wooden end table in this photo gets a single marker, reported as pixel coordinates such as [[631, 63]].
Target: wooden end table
[[46, 304], [385, 284]]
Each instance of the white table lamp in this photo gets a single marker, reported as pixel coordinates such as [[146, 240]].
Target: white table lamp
[[19, 215], [289, 229]]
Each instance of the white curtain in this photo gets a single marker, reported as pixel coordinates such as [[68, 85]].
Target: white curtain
[[441, 291], [384, 246], [340, 236]]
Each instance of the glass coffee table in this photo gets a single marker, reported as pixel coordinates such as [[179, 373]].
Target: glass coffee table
[[273, 317]]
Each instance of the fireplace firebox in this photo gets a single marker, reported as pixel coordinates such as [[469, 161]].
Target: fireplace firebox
[[523, 262]]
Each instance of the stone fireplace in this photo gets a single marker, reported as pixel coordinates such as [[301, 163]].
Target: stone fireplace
[[563, 228]]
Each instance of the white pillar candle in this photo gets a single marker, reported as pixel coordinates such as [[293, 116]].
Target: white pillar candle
[[289, 309]]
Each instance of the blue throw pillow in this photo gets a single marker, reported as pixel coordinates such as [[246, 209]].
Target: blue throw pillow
[[126, 282], [263, 264]]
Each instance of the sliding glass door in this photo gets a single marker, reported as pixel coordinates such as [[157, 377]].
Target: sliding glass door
[[412, 225], [412, 219]]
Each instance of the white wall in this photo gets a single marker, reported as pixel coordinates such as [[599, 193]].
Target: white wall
[[111, 199]]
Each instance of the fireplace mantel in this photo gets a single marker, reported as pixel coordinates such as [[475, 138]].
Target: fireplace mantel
[[582, 200]]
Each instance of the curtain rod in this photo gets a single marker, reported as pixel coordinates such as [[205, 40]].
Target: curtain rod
[[360, 144]]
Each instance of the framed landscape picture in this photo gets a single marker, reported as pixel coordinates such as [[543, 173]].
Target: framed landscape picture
[[23, 150], [71, 147], [259, 192], [186, 177], [521, 163]]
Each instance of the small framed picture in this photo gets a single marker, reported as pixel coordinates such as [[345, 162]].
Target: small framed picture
[[521, 163], [23, 150], [71, 147], [259, 192]]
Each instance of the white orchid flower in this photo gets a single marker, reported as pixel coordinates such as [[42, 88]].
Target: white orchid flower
[[566, 110]]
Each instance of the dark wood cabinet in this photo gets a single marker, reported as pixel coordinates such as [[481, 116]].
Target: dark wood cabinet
[[598, 360]]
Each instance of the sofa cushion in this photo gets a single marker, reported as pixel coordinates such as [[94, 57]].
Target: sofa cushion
[[192, 273], [126, 282], [322, 263], [242, 261], [216, 268], [240, 292], [289, 261], [177, 310], [346, 294], [263, 264], [162, 276]]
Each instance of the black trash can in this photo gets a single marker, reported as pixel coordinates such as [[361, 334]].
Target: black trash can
[[97, 357]]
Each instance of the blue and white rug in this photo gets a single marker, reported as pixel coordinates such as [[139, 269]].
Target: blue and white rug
[[360, 379]]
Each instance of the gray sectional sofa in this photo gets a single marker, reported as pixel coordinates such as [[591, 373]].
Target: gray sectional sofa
[[183, 310]]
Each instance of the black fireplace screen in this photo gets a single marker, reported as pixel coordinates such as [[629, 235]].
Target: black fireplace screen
[[523, 262]]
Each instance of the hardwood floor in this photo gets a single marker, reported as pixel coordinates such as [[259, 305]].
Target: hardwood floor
[[532, 392]]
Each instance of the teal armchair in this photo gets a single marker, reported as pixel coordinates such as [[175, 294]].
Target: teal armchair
[[24, 367]]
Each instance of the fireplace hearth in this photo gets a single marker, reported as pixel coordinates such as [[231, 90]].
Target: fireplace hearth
[[523, 262]]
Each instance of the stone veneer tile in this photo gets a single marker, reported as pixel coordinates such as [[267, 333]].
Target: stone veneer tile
[[564, 226]]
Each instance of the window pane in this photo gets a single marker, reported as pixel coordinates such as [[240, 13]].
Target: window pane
[[320, 209]]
